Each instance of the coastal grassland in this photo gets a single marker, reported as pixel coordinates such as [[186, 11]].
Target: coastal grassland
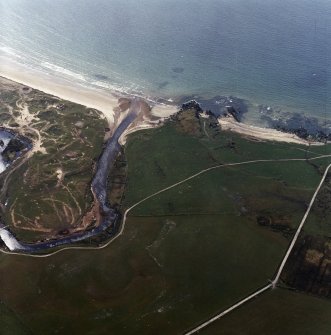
[[49, 192], [175, 155], [185, 254], [309, 266], [319, 221], [277, 312], [10, 324], [272, 193], [163, 275]]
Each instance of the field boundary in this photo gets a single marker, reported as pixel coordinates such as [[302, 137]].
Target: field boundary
[[274, 282]]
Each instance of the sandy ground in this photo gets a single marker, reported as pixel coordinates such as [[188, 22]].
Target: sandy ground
[[230, 124], [93, 98], [164, 111], [90, 97]]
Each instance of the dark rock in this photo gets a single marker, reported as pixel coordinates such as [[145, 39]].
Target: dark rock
[[219, 105], [101, 77], [178, 69], [300, 125], [163, 85], [14, 147], [192, 104], [232, 111]]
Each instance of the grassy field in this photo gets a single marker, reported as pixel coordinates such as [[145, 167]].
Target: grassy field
[[185, 254], [277, 312], [164, 275], [177, 155], [239, 190], [10, 324]]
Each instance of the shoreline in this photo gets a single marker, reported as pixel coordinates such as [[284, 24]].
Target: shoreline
[[107, 102], [99, 182], [263, 134], [101, 100]]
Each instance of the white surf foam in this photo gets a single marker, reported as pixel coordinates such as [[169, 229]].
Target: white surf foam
[[63, 71]]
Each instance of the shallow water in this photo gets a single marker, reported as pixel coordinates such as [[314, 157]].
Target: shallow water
[[275, 53]]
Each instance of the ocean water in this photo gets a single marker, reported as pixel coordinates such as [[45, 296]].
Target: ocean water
[[271, 52]]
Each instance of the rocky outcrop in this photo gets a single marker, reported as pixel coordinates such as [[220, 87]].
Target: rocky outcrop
[[192, 104], [12, 150], [220, 105]]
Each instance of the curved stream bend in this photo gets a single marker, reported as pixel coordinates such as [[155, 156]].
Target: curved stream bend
[[99, 188]]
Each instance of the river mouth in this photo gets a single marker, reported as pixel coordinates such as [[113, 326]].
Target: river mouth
[[12, 146]]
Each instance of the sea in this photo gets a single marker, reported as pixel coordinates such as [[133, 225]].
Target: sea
[[271, 53]]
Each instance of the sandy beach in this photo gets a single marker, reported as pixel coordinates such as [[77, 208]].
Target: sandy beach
[[266, 134], [90, 97]]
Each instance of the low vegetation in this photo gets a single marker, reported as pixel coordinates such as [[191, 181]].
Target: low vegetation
[[277, 312], [185, 254], [47, 191]]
